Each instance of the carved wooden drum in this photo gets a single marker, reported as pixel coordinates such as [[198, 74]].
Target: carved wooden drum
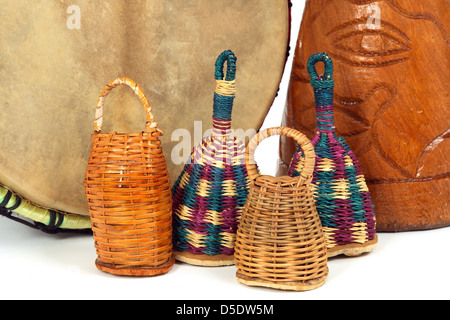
[[55, 57], [392, 62]]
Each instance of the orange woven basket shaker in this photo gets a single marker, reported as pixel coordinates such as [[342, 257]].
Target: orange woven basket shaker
[[280, 243], [128, 192]]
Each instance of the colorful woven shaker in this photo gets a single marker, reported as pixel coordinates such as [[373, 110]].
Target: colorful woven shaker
[[342, 197], [212, 188]]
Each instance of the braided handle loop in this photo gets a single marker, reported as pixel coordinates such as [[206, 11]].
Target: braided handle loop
[[230, 58], [325, 81], [225, 92], [300, 138], [98, 124]]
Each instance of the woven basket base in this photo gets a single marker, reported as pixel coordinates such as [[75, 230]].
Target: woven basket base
[[136, 272], [353, 249], [288, 286], [204, 260]]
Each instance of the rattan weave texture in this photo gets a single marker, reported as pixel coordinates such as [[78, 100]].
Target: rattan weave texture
[[280, 242], [128, 191]]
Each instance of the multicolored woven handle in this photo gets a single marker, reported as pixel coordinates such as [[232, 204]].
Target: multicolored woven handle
[[225, 92], [326, 80], [323, 91], [98, 124], [306, 172]]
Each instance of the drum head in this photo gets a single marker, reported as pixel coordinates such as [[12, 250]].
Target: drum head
[[57, 58]]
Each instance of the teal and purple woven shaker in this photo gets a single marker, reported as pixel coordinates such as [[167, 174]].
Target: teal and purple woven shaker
[[341, 194], [209, 194]]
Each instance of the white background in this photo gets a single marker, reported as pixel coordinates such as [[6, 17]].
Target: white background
[[408, 265]]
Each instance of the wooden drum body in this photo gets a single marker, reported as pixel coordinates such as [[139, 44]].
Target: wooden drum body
[[391, 100]]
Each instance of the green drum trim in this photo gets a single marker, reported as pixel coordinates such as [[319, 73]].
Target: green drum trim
[[49, 221]]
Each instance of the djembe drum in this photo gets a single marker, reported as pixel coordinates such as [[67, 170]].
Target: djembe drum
[[391, 100], [55, 56]]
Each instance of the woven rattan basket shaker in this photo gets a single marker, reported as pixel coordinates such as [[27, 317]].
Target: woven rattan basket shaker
[[342, 196], [128, 192], [212, 188], [280, 243]]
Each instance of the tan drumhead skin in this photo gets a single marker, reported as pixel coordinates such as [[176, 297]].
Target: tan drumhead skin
[[51, 77]]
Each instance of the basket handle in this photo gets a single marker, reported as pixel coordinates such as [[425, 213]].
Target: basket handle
[[98, 124], [300, 138], [230, 58], [323, 87], [225, 91], [325, 81]]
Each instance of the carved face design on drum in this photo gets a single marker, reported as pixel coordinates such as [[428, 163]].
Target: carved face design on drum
[[391, 70]]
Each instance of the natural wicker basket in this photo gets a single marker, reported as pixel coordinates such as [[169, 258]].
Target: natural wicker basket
[[211, 191], [280, 243], [342, 197], [128, 191]]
